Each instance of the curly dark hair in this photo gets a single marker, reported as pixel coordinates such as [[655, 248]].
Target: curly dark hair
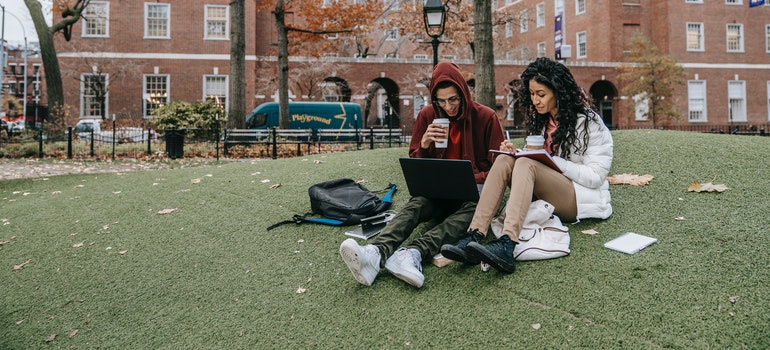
[[570, 100]]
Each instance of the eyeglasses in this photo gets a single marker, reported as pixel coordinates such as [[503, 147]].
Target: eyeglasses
[[451, 100]]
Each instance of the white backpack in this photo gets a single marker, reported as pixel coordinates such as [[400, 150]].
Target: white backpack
[[542, 236]]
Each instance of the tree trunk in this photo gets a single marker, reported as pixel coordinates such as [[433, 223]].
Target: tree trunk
[[484, 57], [236, 115], [53, 80], [283, 64]]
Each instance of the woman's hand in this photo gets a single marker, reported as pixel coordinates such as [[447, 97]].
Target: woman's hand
[[507, 146], [434, 132]]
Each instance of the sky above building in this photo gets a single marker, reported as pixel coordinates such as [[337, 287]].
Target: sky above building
[[18, 22]]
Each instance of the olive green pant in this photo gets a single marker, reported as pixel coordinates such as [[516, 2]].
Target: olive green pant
[[454, 216]]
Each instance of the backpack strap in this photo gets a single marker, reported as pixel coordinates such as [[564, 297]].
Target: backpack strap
[[298, 219]]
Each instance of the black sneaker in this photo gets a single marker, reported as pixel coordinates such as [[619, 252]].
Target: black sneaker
[[498, 253], [459, 251]]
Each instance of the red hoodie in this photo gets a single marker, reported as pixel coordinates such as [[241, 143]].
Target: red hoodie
[[480, 129]]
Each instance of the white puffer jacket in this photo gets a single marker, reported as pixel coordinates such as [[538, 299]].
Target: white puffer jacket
[[589, 171]]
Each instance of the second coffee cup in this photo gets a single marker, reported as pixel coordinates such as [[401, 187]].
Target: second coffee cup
[[535, 142]]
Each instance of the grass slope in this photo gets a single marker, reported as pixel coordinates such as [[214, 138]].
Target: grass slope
[[209, 276]]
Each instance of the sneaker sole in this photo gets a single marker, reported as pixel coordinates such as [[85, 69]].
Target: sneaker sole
[[411, 279], [349, 256], [453, 253], [491, 259]]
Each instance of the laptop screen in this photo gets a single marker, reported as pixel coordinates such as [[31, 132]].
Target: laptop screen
[[440, 178]]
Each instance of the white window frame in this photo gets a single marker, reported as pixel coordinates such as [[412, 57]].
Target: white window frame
[[641, 107], [693, 1], [392, 34], [689, 40], [89, 100], [540, 14], [420, 56], [523, 21], [767, 36], [96, 18], [696, 101], [147, 20], [208, 20], [508, 30], [219, 93], [733, 2], [581, 40], [156, 97], [736, 43], [736, 100], [580, 7], [541, 49]]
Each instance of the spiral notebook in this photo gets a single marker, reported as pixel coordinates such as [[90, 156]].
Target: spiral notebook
[[630, 243]]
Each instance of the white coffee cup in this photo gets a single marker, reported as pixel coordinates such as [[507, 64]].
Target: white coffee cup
[[535, 142], [445, 124]]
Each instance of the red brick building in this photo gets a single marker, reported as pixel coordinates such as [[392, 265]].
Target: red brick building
[[152, 53]]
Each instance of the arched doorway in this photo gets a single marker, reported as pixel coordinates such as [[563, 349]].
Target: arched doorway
[[335, 89], [382, 104], [604, 93]]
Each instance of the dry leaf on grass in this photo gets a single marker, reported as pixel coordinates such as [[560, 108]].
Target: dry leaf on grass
[[167, 211], [50, 338], [195, 181], [74, 333], [78, 245], [21, 266], [301, 290], [696, 186], [275, 186], [536, 326], [630, 179], [590, 232], [733, 299], [679, 218]]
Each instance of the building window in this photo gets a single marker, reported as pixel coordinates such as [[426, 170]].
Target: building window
[[217, 22], [580, 7], [696, 100], [734, 37], [736, 95], [695, 36], [508, 30], [215, 89], [581, 45], [541, 49], [693, 1], [641, 107], [96, 19], [155, 93], [767, 37], [331, 91], [420, 56], [92, 86], [540, 13], [768, 100], [391, 34], [733, 2], [524, 21], [157, 21]]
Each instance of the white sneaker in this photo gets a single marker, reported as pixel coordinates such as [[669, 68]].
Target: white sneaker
[[406, 265], [363, 262]]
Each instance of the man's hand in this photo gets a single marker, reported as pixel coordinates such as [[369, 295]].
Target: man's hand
[[435, 132], [507, 146]]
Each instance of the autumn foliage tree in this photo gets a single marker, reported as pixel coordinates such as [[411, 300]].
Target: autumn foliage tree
[[307, 34], [651, 76]]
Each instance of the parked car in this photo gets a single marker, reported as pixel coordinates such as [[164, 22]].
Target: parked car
[[87, 127]]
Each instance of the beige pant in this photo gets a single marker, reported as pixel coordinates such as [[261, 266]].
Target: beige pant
[[527, 178]]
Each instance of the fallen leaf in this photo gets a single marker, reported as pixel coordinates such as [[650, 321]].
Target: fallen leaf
[[679, 218], [536, 326], [19, 322], [78, 245], [4, 242], [116, 192], [195, 181], [21, 266], [590, 232], [630, 179], [265, 181], [317, 161], [301, 290], [74, 333], [301, 241], [51, 338], [696, 186], [123, 252], [733, 299], [167, 211], [275, 186]]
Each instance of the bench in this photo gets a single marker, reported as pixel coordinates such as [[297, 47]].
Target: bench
[[268, 137], [388, 136]]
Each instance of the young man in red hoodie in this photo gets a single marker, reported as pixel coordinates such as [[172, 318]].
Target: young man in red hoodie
[[473, 130]]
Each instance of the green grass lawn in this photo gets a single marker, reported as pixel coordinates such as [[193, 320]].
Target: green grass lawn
[[103, 269]]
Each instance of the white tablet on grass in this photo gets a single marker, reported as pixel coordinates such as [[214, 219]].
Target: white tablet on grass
[[630, 243]]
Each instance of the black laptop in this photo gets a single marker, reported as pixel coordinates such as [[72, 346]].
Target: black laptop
[[440, 178]]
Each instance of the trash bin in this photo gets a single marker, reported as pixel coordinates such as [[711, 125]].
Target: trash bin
[[175, 143]]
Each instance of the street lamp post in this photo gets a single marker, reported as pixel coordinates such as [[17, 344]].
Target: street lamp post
[[434, 16]]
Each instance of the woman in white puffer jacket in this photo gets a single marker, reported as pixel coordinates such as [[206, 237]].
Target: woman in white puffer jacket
[[580, 144]]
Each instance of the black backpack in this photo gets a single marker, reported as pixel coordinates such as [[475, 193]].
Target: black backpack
[[342, 202]]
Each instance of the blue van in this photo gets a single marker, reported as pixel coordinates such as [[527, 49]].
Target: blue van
[[308, 115]]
